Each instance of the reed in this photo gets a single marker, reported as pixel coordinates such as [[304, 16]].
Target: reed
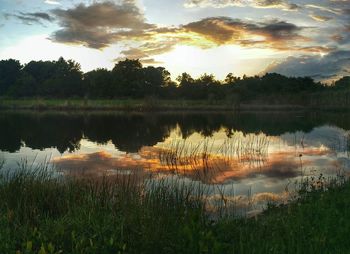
[[207, 157], [42, 212]]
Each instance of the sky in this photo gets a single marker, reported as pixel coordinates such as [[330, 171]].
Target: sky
[[251, 37]]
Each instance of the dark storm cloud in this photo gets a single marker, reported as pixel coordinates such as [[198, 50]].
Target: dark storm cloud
[[100, 24], [328, 67]]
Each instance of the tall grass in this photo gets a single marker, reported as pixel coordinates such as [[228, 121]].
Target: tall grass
[[45, 213], [206, 158], [119, 214]]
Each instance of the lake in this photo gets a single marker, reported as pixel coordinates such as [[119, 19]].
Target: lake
[[252, 158]]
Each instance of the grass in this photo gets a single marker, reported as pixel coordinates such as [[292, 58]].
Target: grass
[[205, 158], [45, 213], [318, 222], [117, 104], [149, 104]]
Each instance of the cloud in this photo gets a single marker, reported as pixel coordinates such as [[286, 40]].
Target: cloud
[[339, 35], [103, 24], [329, 67], [324, 8], [320, 17], [275, 4], [52, 2], [30, 18], [225, 30], [216, 31], [213, 3], [216, 170], [145, 51], [105, 14], [38, 15], [280, 4], [329, 138], [100, 24], [335, 9], [337, 38]]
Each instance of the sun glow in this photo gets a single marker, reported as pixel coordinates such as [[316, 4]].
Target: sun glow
[[39, 47], [219, 60]]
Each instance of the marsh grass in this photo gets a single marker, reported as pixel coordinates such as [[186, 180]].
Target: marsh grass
[[120, 214], [41, 212], [206, 159], [250, 148]]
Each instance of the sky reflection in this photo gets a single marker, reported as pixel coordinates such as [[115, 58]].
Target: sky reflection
[[203, 159], [252, 167]]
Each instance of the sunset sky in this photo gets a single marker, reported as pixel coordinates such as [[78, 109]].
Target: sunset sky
[[294, 38]]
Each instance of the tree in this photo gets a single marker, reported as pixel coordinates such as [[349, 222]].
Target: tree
[[207, 80], [185, 79], [343, 83], [98, 84], [155, 78], [230, 79], [55, 78], [127, 78], [10, 71], [67, 79], [23, 87]]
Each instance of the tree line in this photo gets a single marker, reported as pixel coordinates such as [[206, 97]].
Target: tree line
[[129, 79], [65, 131]]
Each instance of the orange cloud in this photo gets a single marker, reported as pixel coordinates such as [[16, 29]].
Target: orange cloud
[[207, 168]]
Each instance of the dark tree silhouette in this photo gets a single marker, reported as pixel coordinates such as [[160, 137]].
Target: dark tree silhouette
[[343, 83], [98, 84], [10, 71], [49, 79], [129, 79]]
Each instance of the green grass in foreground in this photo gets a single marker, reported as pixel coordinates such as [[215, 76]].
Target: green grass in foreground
[[41, 214]]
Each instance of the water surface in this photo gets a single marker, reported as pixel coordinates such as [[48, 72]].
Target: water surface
[[253, 158]]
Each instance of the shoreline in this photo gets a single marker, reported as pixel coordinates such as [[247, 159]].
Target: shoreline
[[153, 106]]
